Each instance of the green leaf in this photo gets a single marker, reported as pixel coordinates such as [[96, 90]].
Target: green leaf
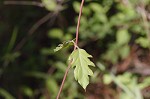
[[144, 42], [81, 63], [76, 6], [55, 33], [59, 47], [50, 4], [27, 91], [107, 79], [63, 45], [5, 94], [97, 8], [123, 37], [52, 87], [12, 40]]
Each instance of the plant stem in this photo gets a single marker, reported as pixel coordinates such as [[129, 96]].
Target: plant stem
[[63, 81], [77, 36], [78, 25], [34, 3]]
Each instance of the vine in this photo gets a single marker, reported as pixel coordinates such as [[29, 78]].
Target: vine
[[79, 59]]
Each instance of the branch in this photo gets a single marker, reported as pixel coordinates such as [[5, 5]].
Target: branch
[[63, 81], [34, 28], [34, 3], [78, 25], [77, 36]]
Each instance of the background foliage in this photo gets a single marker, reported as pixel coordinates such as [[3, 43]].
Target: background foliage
[[115, 32]]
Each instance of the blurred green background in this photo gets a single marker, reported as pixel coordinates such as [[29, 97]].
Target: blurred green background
[[115, 32]]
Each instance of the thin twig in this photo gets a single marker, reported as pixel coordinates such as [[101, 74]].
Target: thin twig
[[77, 36], [40, 22], [63, 81], [34, 28], [78, 25], [37, 24], [34, 3]]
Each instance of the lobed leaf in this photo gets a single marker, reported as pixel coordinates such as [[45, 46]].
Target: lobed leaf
[[81, 63]]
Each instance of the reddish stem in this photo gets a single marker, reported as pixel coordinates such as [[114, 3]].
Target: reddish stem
[[63, 81], [78, 25]]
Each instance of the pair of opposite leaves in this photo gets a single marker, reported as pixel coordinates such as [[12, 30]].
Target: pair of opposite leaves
[[81, 62]]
